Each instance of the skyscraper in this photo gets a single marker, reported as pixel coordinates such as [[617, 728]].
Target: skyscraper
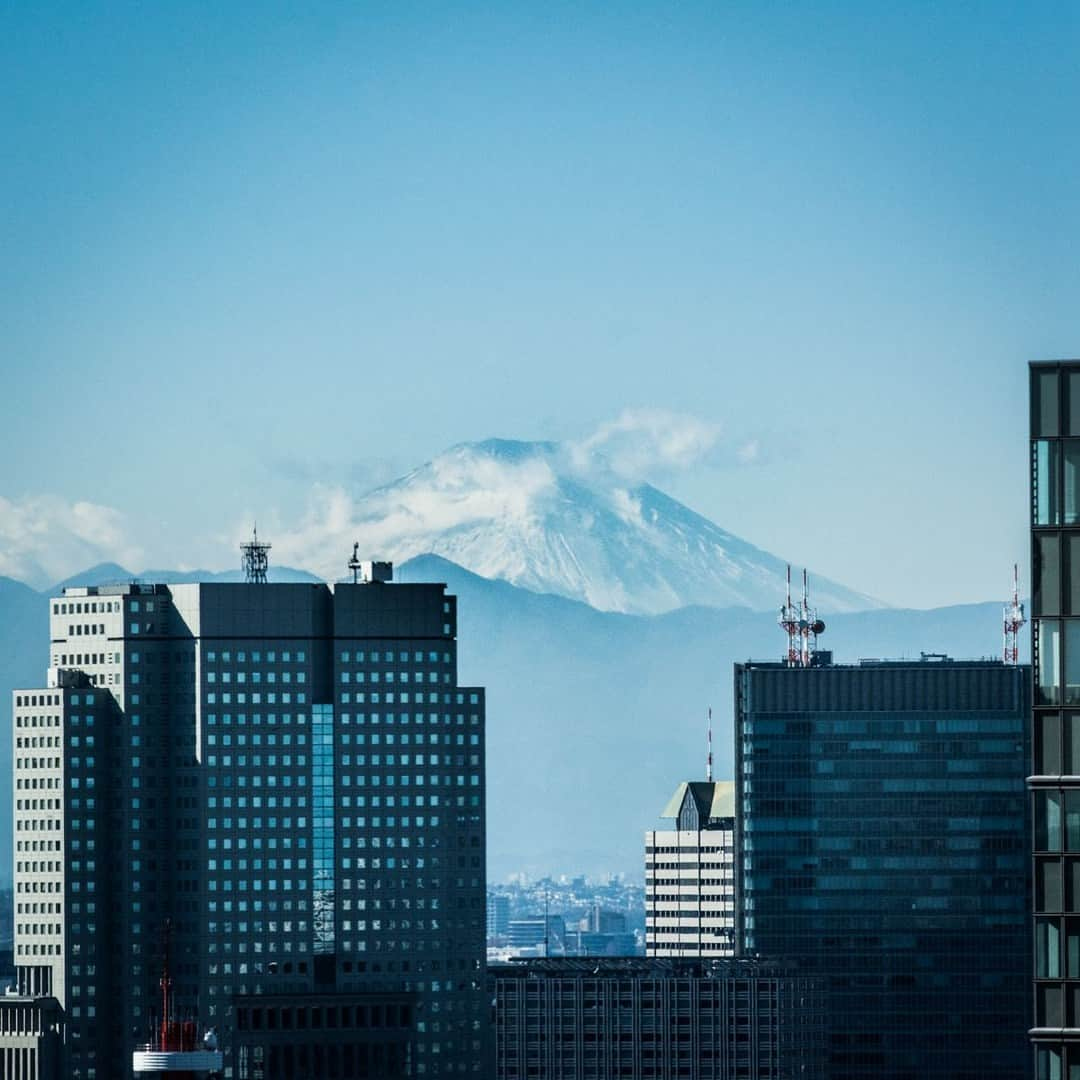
[[283, 786], [1055, 766], [882, 835], [690, 874]]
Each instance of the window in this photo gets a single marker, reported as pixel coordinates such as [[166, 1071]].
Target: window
[[1044, 402], [1048, 664], [1048, 891], [1046, 589], [1048, 820], [1045, 485], [1072, 662], [1072, 481]]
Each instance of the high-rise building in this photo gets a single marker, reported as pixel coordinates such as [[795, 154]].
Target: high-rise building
[[283, 786], [690, 874], [651, 1019], [1055, 766], [882, 831]]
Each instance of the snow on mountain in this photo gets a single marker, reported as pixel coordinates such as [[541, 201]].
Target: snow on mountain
[[540, 516]]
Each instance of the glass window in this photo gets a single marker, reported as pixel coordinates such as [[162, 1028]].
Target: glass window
[[1046, 590], [1048, 744], [1044, 403], [1071, 763], [1072, 481], [1048, 892], [1047, 1063], [1072, 662], [1048, 1011], [1072, 820], [1072, 948], [1072, 382], [1045, 486], [1072, 885], [1047, 820], [1048, 649]]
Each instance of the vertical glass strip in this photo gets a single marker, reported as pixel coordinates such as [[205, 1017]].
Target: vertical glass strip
[[322, 818], [1046, 469]]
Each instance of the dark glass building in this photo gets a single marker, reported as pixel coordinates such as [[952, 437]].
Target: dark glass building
[[1055, 766], [882, 833], [655, 1019]]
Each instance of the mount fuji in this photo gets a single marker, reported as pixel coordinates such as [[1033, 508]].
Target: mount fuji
[[552, 518]]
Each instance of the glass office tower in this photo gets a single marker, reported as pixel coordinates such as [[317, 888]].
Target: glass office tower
[[881, 838], [289, 777], [1055, 767]]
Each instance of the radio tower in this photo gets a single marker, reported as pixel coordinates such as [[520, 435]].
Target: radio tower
[[789, 623], [255, 559], [1014, 621]]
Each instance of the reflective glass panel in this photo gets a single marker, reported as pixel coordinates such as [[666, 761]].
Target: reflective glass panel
[[1045, 484], [1048, 648], [1072, 820], [1071, 764], [1048, 744], [1048, 885], [1044, 403], [1072, 381], [1072, 662], [1048, 820], [1046, 589], [1072, 481]]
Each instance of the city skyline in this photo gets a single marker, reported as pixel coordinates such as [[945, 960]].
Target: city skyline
[[809, 250]]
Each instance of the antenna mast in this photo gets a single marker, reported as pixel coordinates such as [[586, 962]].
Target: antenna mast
[[255, 558], [354, 563], [801, 624], [1013, 623], [789, 623], [708, 758]]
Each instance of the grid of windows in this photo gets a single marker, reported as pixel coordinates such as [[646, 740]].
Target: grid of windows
[[882, 836], [1055, 762]]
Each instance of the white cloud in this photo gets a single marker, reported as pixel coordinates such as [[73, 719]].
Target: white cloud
[[643, 442], [44, 538]]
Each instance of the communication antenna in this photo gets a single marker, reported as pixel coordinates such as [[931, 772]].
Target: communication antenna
[[255, 558], [1014, 622], [708, 757], [801, 624], [354, 564], [789, 623]]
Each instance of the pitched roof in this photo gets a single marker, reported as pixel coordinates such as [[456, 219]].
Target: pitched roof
[[713, 800]]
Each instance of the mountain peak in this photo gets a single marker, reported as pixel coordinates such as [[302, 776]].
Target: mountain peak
[[555, 518]]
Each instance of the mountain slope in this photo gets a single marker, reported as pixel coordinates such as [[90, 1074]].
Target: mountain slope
[[542, 516]]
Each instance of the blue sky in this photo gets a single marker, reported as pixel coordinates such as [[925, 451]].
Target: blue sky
[[247, 249]]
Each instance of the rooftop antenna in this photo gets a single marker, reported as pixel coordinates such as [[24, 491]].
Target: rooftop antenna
[[255, 558], [354, 564], [708, 757], [789, 623], [1014, 622]]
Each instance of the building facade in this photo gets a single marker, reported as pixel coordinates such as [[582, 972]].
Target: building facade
[[287, 776], [690, 874], [882, 834], [650, 1019], [1055, 765], [31, 1038]]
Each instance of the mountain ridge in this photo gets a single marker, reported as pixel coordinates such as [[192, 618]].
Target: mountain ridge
[[551, 517]]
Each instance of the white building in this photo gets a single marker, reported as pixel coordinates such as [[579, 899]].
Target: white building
[[690, 874]]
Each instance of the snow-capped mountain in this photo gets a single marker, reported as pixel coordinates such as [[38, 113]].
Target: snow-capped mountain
[[540, 516]]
